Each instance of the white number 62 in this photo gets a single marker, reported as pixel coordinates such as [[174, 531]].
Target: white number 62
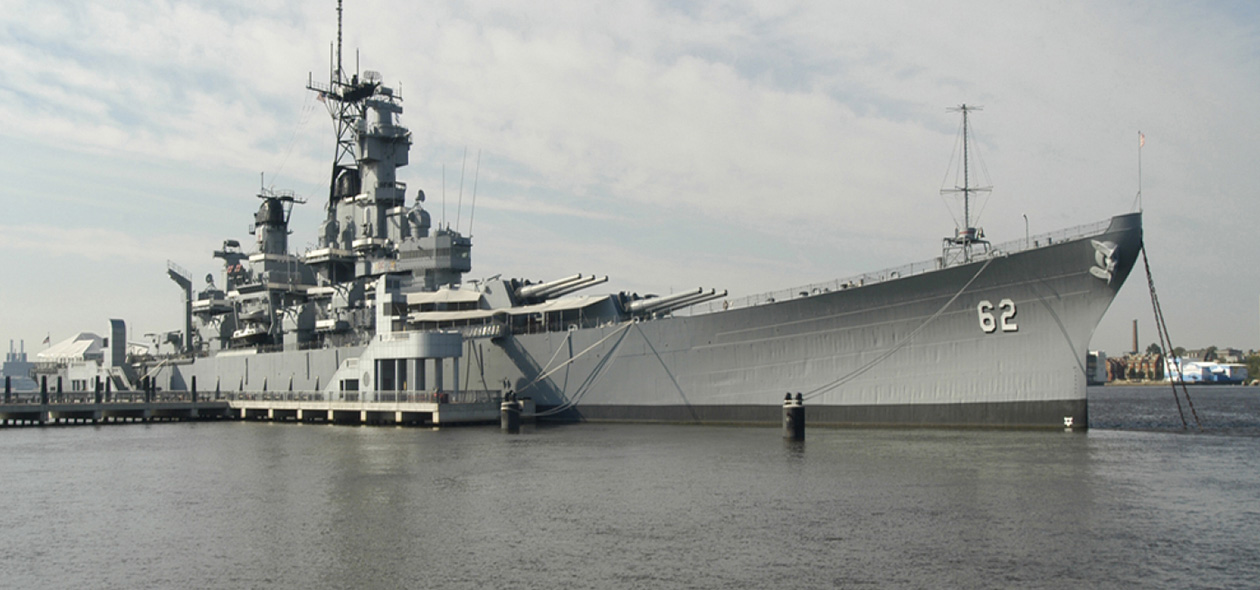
[[989, 324]]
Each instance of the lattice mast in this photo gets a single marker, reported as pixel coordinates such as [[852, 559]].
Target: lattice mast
[[967, 235], [344, 98]]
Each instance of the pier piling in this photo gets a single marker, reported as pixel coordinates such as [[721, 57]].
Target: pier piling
[[793, 417], [510, 414]]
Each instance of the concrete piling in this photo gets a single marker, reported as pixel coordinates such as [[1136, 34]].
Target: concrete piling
[[793, 417], [510, 414]]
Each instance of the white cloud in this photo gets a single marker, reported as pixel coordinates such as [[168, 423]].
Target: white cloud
[[808, 137], [94, 244]]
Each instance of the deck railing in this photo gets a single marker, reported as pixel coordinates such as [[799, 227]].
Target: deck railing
[[870, 278], [468, 396]]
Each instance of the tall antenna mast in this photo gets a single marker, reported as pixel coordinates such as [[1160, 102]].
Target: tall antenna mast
[[966, 190], [337, 74], [966, 235], [344, 98]]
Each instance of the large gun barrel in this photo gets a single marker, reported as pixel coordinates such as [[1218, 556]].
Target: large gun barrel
[[529, 291], [690, 301], [647, 305], [563, 290]]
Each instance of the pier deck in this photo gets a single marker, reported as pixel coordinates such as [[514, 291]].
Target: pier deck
[[421, 410], [73, 412]]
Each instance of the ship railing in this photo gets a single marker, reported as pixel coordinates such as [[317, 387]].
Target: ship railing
[[497, 330], [406, 335], [1051, 238], [318, 86], [468, 396], [23, 398], [870, 278], [113, 397]]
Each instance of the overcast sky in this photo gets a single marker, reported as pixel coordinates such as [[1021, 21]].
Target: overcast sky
[[748, 146]]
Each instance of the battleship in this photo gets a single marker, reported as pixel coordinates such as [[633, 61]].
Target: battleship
[[380, 309]]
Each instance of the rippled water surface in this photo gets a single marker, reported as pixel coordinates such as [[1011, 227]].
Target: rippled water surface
[[1135, 502]]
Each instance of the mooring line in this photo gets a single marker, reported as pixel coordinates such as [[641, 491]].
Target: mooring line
[[1165, 340], [600, 368], [899, 345]]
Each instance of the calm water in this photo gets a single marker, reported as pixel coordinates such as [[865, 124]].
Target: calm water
[[1133, 503]]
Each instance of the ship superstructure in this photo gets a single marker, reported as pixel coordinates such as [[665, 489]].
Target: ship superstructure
[[273, 299]]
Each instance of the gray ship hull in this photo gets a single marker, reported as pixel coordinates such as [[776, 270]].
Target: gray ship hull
[[907, 351], [999, 342]]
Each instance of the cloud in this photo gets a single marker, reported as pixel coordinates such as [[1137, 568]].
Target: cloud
[[94, 244], [520, 206], [809, 137]]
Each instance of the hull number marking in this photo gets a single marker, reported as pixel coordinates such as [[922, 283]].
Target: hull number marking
[[989, 323]]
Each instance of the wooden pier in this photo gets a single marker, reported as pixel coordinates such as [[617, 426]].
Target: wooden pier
[[417, 410]]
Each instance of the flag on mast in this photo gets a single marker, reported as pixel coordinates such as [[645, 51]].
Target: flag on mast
[[1141, 139]]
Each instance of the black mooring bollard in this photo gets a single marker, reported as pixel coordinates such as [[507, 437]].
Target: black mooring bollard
[[510, 414], [793, 417], [194, 389], [8, 388], [97, 391], [43, 389]]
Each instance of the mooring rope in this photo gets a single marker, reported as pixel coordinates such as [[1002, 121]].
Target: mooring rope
[[542, 376], [1165, 340], [600, 369], [567, 337], [898, 346]]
